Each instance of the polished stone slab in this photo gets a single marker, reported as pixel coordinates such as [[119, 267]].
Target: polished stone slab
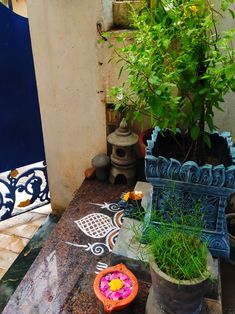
[[61, 278]]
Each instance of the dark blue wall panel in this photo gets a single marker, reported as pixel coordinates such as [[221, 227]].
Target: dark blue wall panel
[[21, 140]]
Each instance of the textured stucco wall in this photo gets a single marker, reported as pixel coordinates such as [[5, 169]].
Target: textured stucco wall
[[226, 120], [64, 41], [73, 73]]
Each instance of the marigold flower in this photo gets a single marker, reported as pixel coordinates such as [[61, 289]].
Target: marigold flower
[[126, 196], [193, 9], [136, 195], [115, 284]]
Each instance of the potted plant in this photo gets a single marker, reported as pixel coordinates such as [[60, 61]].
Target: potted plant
[[180, 270], [179, 70], [180, 263]]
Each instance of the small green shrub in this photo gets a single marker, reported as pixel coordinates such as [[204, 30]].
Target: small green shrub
[[179, 68]]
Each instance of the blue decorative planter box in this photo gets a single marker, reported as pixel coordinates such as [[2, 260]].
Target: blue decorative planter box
[[209, 185]]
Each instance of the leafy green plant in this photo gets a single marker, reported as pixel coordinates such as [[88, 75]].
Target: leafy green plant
[[179, 68]]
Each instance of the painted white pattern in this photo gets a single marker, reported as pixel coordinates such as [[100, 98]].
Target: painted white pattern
[[112, 207], [100, 266], [95, 225], [98, 225]]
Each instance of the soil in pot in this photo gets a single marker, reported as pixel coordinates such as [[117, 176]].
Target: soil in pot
[[176, 146]]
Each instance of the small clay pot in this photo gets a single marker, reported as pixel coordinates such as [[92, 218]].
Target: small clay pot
[[110, 306]]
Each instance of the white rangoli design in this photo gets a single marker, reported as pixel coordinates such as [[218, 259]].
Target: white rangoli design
[[97, 226]]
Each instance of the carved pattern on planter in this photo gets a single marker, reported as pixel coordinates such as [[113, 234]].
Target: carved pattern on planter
[[189, 171], [211, 185]]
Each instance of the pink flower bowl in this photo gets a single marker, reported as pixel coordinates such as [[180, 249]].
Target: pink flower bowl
[[116, 287]]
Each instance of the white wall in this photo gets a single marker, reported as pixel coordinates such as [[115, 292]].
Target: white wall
[[64, 41]]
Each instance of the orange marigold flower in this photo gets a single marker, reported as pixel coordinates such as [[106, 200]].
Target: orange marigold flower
[[136, 195]]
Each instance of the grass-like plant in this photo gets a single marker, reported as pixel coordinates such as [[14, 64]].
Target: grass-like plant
[[177, 252], [173, 239]]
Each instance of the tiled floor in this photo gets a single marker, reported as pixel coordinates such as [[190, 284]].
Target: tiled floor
[[16, 232]]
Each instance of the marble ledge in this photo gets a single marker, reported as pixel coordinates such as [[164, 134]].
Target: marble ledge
[[61, 278]]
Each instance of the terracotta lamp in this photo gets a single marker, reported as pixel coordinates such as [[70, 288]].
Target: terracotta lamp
[[116, 287]]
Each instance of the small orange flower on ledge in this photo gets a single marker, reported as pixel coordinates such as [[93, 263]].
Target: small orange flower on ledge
[[134, 195]]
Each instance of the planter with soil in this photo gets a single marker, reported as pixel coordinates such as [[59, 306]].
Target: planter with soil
[[188, 184]]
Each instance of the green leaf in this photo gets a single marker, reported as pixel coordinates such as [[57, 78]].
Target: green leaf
[[233, 85], [207, 140], [224, 5], [166, 43], [193, 79], [230, 71], [120, 72], [195, 131], [210, 123], [120, 39], [154, 80], [232, 13], [203, 91]]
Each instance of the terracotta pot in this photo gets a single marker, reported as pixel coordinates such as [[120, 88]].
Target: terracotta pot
[[113, 305], [179, 296], [143, 137]]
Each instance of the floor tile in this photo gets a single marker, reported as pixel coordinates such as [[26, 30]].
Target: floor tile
[[2, 272], [45, 210], [12, 243], [26, 230], [7, 258], [19, 220]]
